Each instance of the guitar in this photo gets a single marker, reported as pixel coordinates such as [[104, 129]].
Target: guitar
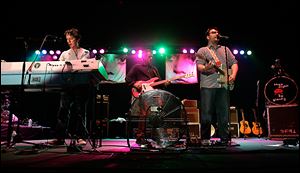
[[149, 84], [223, 77], [245, 128], [222, 73], [256, 129]]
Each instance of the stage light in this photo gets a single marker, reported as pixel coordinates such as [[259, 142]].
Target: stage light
[[51, 52], [162, 50], [102, 51], [192, 51], [37, 52], [44, 52], [125, 50], [235, 51], [184, 51], [55, 57], [249, 52], [242, 52], [133, 51], [94, 51], [154, 52], [58, 52], [140, 55]]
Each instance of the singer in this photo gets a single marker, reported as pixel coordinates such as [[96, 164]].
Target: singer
[[211, 61]]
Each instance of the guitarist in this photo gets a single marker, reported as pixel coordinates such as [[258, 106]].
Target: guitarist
[[138, 74], [214, 96]]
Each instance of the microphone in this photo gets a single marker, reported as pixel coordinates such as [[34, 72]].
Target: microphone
[[53, 37], [222, 37]]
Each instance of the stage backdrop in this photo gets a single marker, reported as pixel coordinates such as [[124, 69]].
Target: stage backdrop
[[115, 66], [179, 65]]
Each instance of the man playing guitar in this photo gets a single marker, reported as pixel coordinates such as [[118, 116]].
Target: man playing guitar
[[136, 77]]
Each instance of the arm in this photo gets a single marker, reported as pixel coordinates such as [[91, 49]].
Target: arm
[[234, 69]]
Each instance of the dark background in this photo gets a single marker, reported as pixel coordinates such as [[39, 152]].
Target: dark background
[[268, 28]]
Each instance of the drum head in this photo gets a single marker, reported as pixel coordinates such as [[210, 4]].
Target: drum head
[[281, 90], [163, 116]]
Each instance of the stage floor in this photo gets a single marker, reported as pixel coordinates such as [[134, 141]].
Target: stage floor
[[244, 155]]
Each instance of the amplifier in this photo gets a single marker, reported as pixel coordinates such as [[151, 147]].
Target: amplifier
[[235, 130], [233, 115], [283, 120]]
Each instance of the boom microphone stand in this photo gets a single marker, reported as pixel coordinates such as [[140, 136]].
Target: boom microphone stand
[[17, 138], [12, 140], [228, 92]]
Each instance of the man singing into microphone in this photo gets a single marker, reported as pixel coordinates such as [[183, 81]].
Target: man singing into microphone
[[211, 62]]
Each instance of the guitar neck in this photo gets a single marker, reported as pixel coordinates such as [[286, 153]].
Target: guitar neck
[[158, 83], [243, 116], [254, 114], [166, 80]]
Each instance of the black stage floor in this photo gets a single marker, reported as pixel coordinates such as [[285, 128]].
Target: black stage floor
[[114, 155]]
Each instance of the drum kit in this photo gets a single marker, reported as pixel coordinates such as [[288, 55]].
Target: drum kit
[[280, 89]]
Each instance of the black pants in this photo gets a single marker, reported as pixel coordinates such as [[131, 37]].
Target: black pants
[[71, 115], [214, 101]]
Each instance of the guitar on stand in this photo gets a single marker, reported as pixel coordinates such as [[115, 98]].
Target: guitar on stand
[[256, 129], [245, 128], [149, 84]]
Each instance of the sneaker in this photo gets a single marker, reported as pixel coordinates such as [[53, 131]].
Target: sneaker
[[81, 142], [56, 142], [222, 142], [205, 142]]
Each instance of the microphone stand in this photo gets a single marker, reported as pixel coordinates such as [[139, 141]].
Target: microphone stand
[[35, 58], [18, 137], [10, 141], [228, 95]]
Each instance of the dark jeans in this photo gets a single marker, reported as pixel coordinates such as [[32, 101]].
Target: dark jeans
[[71, 115], [214, 102]]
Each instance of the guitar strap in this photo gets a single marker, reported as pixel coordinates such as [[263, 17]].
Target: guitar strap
[[216, 59]]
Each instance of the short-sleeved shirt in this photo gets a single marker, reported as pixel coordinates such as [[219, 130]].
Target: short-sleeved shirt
[[209, 79]]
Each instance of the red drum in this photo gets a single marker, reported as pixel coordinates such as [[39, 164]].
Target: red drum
[[281, 90]]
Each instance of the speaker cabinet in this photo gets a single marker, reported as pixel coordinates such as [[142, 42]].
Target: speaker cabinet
[[283, 121], [192, 114], [194, 129], [233, 115], [235, 130]]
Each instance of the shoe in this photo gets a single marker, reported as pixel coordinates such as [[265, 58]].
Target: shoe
[[222, 143], [140, 141], [81, 142], [205, 142], [56, 142]]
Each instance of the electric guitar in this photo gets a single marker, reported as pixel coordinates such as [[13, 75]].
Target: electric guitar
[[245, 128], [256, 129], [223, 77], [222, 73], [149, 84]]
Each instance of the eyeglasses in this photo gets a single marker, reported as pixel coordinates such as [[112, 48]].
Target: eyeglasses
[[214, 32]]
